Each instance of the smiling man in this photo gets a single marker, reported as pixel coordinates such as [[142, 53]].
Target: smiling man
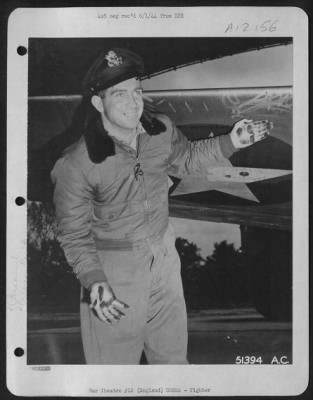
[[121, 107], [111, 198]]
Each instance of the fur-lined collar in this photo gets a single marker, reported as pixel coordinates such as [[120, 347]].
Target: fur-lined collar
[[100, 145]]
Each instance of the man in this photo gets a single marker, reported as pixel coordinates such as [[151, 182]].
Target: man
[[111, 198]]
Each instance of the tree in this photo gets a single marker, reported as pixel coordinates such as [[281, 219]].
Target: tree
[[191, 264], [232, 274], [51, 283], [221, 280]]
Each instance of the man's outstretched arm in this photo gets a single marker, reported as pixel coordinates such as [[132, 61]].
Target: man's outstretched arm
[[194, 156]]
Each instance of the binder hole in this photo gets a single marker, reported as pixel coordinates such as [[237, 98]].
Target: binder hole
[[19, 352], [19, 201], [21, 50]]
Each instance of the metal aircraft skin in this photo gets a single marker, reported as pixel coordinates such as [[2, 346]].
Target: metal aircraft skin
[[200, 113]]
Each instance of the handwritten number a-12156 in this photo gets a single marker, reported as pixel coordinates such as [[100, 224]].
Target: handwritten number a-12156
[[265, 26]]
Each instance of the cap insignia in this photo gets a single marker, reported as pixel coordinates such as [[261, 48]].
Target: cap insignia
[[113, 59]]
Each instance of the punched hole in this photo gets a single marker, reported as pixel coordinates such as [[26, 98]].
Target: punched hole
[[21, 50], [19, 201], [19, 352], [244, 173]]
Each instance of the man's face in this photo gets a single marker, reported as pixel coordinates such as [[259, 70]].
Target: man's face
[[123, 104]]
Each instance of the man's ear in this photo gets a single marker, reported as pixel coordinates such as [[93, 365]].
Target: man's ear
[[97, 103]]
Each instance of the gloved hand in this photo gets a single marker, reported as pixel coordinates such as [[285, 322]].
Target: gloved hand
[[107, 307], [246, 132]]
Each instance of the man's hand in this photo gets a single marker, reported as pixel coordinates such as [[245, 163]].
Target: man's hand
[[107, 307], [246, 132]]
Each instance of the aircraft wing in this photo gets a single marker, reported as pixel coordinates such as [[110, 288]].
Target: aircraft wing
[[228, 179], [261, 174]]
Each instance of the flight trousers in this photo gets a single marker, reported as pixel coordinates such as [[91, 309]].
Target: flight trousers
[[148, 278]]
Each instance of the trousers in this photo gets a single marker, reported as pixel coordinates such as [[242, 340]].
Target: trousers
[[147, 278]]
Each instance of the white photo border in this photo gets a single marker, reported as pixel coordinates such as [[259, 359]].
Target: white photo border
[[215, 380]]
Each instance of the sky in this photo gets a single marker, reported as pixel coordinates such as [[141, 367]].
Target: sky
[[266, 67]]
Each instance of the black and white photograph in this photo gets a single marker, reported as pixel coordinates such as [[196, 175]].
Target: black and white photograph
[[161, 227]]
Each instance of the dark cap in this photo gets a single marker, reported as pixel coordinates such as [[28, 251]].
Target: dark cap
[[111, 67]]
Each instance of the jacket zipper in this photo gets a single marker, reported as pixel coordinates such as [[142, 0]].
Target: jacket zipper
[[139, 172], [137, 169]]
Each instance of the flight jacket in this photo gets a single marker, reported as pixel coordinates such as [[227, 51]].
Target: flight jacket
[[123, 199]]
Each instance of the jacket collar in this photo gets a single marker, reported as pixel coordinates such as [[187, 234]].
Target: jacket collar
[[100, 145]]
